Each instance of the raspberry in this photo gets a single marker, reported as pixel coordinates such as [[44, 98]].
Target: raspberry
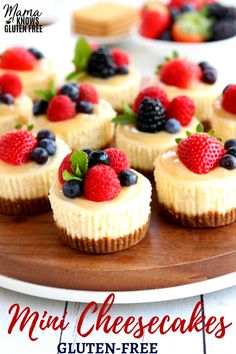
[[16, 146], [229, 99], [118, 160], [60, 108], [180, 73], [151, 92], [88, 93], [94, 46], [65, 166], [101, 184], [120, 57], [10, 83], [181, 108], [18, 58], [200, 153], [180, 3]]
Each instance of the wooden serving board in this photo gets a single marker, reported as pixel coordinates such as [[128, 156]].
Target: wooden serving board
[[169, 255]]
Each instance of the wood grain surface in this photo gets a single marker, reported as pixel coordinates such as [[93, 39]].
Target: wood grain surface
[[169, 255]]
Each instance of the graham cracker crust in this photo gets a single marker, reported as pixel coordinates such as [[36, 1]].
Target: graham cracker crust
[[105, 244], [24, 207], [210, 219]]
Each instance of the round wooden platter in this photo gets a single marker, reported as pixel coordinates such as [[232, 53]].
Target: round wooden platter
[[169, 255]]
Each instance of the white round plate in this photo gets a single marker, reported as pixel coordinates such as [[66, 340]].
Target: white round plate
[[125, 297]]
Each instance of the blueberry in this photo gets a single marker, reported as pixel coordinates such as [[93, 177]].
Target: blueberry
[[122, 70], [7, 99], [71, 90], [36, 53], [204, 65], [172, 126], [226, 87], [188, 8], [166, 36], [98, 157], [232, 151], [72, 188], [209, 75], [84, 107], [228, 162], [230, 143], [127, 178], [49, 146], [87, 151], [174, 13], [40, 107], [39, 155], [46, 134]]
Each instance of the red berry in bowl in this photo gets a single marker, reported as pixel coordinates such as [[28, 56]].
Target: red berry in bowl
[[155, 19]]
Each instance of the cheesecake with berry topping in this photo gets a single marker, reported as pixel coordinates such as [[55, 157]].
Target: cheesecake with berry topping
[[199, 81], [224, 113], [99, 204], [75, 113], [35, 71], [28, 165], [152, 126], [109, 70], [195, 181]]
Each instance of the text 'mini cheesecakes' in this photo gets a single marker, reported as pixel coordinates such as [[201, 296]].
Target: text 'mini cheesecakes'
[[99, 204], [196, 181], [109, 70]]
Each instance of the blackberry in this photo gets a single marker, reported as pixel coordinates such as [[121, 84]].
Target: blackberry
[[223, 29], [101, 64], [165, 36], [214, 10], [221, 12], [151, 116]]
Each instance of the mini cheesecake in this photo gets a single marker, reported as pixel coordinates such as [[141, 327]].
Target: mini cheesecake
[[141, 144], [196, 81], [109, 212], [197, 199], [35, 71], [224, 113], [15, 107], [24, 185], [111, 73]]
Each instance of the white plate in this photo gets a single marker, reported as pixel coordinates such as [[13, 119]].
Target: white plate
[[125, 297], [108, 40]]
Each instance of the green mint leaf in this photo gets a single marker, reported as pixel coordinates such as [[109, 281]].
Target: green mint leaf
[[200, 128], [76, 75], [30, 127], [127, 117], [69, 176], [178, 140], [188, 133], [18, 126], [82, 54], [52, 88], [47, 95], [79, 161], [211, 133]]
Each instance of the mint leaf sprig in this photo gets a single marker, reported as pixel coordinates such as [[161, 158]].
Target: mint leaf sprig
[[79, 163], [127, 117], [47, 95], [81, 57]]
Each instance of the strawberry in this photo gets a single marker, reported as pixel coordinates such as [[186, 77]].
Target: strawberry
[[10, 83], [191, 27], [18, 58], [182, 108], [101, 184], [120, 57], [155, 19], [200, 152], [151, 92], [16, 146], [180, 73], [118, 160], [88, 93], [180, 3], [229, 99], [60, 108], [65, 166]]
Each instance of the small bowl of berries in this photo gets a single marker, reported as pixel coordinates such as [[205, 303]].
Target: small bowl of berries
[[200, 29]]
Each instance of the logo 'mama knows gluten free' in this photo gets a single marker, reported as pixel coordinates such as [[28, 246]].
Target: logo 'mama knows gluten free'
[[21, 20]]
